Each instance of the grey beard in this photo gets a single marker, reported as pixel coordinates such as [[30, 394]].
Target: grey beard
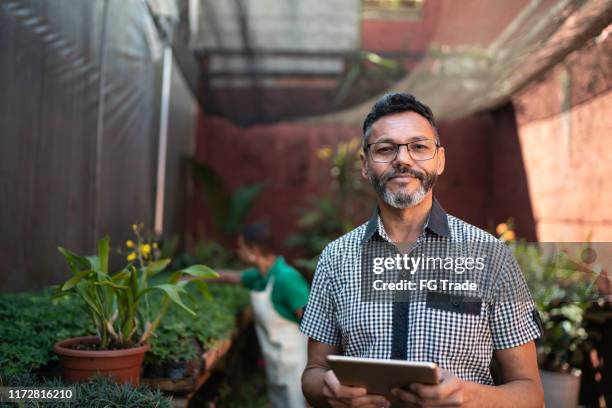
[[402, 200]]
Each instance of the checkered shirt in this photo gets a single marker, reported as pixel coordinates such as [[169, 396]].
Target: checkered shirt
[[458, 331]]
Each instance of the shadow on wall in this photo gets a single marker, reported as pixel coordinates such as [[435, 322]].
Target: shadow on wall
[[485, 182]]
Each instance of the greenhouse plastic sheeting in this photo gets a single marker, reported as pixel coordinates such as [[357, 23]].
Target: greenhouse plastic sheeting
[[79, 127], [461, 73]]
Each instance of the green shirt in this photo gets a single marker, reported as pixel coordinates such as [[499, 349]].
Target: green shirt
[[290, 290]]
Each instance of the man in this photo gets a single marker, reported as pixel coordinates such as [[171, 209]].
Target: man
[[278, 295], [402, 157]]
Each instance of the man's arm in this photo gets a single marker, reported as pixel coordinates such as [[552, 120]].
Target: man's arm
[[321, 387], [519, 375], [225, 276]]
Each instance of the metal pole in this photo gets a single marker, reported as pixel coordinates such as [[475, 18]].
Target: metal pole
[[99, 125], [163, 140]]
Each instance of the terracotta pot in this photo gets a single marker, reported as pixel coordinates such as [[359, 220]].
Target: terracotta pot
[[561, 390], [80, 365]]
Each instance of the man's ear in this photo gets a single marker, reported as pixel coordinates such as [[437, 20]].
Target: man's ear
[[364, 164], [441, 160]]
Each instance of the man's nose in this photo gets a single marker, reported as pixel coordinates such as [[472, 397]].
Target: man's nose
[[403, 155]]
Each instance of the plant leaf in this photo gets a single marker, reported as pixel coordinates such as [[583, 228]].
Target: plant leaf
[[72, 282], [76, 262], [241, 202], [203, 288], [173, 293], [121, 275], [156, 267], [200, 271], [94, 262], [111, 284], [103, 253]]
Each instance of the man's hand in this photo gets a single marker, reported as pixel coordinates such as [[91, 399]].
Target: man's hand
[[339, 395], [449, 392]]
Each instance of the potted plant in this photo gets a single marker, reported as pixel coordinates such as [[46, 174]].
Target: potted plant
[[118, 306], [562, 290]]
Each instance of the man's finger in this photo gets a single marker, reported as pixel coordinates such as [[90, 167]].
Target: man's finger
[[377, 401], [339, 390], [343, 391], [435, 392], [439, 404], [327, 392], [336, 403], [405, 396]]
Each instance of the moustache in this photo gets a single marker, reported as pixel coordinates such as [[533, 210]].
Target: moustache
[[403, 170]]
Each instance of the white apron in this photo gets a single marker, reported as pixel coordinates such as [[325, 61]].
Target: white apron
[[284, 349]]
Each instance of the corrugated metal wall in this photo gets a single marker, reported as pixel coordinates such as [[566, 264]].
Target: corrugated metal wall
[[79, 103]]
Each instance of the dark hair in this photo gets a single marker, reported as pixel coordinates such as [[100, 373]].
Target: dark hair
[[258, 235], [394, 103]]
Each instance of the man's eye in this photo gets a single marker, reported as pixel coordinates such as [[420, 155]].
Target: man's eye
[[384, 150], [419, 146]]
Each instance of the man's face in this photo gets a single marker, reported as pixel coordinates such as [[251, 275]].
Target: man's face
[[246, 253], [403, 182]]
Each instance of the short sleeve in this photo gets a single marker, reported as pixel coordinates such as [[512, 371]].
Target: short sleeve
[[319, 320], [513, 319], [293, 290], [249, 278]]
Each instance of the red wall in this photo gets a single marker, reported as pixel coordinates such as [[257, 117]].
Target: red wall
[[281, 154], [484, 182], [565, 134]]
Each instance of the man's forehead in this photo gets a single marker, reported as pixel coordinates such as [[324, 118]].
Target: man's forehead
[[403, 124]]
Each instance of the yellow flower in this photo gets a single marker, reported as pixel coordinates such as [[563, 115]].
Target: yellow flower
[[501, 228], [508, 235], [145, 250], [134, 227], [155, 245], [354, 144], [131, 257], [129, 243], [324, 153]]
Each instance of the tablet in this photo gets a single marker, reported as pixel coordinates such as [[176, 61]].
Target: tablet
[[380, 376]]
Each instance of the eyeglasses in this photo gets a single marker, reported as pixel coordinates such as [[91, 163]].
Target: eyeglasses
[[386, 152]]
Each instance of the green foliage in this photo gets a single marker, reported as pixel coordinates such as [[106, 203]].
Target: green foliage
[[98, 392], [250, 394], [562, 290], [30, 325], [340, 209], [214, 254], [216, 319], [229, 210], [113, 300]]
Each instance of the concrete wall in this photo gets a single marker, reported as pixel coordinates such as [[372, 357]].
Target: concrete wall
[[565, 131]]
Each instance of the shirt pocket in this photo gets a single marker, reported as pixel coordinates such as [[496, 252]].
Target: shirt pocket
[[462, 305], [457, 328]]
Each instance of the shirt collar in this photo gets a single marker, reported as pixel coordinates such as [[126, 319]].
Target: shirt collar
[[437, 222], [278, 263]]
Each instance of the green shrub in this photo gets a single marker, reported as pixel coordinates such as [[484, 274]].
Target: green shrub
[[30, 324], [99, 392], [347, 202], [216, 319]]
